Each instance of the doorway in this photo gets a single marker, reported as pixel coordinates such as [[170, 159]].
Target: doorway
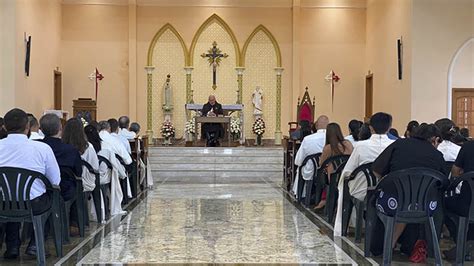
[[57, 90], [369, 90], [463, 108]]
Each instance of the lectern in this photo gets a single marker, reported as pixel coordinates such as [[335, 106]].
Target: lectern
[[85, 106]]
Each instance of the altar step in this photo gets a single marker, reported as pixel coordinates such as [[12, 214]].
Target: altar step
[[216, 165]]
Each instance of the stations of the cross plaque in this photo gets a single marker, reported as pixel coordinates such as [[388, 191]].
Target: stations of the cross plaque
[[214, 56]]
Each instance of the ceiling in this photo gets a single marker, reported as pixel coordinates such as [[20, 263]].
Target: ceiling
[[230, 3]]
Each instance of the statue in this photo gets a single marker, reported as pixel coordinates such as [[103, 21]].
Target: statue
[[167, 95], [257, 97]]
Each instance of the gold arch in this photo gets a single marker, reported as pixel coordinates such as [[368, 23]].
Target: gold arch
[[214, 19], [157, 36], [270, 36]]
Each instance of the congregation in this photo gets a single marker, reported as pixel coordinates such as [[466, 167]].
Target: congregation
[[96, 167], [408, 189]]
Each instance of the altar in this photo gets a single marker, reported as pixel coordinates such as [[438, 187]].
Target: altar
[[228, 111]]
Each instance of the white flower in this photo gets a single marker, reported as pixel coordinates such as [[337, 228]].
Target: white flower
[[189, 128]]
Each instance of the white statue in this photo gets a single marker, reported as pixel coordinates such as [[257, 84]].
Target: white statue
[[257, 97], [167, 95]]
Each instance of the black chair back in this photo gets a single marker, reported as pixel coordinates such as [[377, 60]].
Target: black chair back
[[366, 170], [418, 191], [321, 179], [15, 184], [102, 159], [467, 179], [313, 159]]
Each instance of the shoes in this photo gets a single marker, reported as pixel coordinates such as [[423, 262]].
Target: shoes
[[451, 253], [419, 252], [31, 250], [11, 254]]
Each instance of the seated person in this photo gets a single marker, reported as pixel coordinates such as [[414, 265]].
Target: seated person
[[67, 156], [135, 127], [303, 130], [212, 131], [365, 151], [312, 144], [335, 145], [354, 129], [448, 133], [74, 134], [17, 151], [109, 142], [34, 128], [124, 123], [114, 132], [459, 203], [420, 150]]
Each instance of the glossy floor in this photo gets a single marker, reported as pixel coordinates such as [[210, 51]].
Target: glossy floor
[[216, 223]]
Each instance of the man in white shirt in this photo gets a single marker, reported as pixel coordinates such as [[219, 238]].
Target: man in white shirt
[[113, 143], [311, 144], [34, 128], [114, 131], [364, 152], [124, 123], [17, 151]]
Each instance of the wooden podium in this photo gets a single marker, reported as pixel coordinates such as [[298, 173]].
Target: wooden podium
[[85, 105]]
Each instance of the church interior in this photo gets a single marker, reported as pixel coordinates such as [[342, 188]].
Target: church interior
[[243, 123]]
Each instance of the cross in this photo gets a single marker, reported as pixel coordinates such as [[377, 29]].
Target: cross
[[214, 56], [333, 78], [97, 76]]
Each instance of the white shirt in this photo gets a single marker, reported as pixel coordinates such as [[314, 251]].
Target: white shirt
[[365, 151], [311, 144], [449, 150], [88, 178], [129, 135], [114, 144], [124, 141], [17, 151], [35, 136], [351, 139]]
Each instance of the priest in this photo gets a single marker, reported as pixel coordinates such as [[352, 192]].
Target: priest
[[212, 131]]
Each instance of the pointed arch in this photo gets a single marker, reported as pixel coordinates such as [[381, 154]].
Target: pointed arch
[[157, 36], [270, 36], [214, 19]]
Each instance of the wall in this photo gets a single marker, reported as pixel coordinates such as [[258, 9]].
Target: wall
[[463, 71], [96, 36], [387, 21], [7, 55], [187, 20], [339, 46], [41, 20], [440, 27]]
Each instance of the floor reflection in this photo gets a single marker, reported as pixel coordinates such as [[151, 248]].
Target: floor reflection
[[198, 223]]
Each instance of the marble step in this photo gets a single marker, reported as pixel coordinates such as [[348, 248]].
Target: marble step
[[229, 152], [216, 167], [216, 160], [234, 175]]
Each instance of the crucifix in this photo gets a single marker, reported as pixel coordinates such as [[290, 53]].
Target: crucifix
[[214, 56], [97, 76], [333, 78]]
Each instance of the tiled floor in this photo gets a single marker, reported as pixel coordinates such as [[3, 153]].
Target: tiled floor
[[216, 223]]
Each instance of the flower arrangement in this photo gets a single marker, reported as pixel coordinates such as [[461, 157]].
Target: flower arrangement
[[235, 127], [167, 130], [190, 127], [258, 127]]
